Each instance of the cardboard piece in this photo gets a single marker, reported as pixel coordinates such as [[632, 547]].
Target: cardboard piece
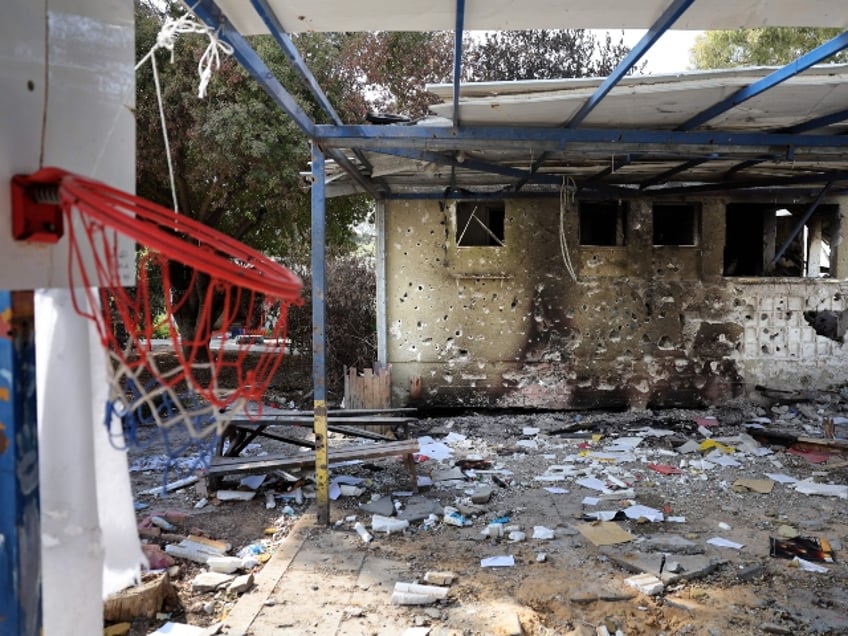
[[762, 486], [604, 533]]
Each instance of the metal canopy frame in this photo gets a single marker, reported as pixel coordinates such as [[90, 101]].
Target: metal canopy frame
[[484, 150]]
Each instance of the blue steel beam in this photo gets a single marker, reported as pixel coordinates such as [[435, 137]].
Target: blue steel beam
[[209, 12], [20, 517], [683, 167], [319, 339], [469, 138], [468, 163], [812, 124], [299, 64], [457, 58], [663, 23], [801, 223], [668, 17], [812, 179], [771, 80]]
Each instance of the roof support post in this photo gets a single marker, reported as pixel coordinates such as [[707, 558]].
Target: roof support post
[[457, 58], [800, 225], [319, 339]]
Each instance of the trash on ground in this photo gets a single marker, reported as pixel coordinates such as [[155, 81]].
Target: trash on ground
[[604, 533], [808, 566], [725, 543], [235, 495], [198, 549], [646, 583], [761, 486], [416, 594], [809, 548], [807, 487], [506, 561]]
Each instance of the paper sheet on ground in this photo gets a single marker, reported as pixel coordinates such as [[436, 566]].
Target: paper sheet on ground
[[762, 486]]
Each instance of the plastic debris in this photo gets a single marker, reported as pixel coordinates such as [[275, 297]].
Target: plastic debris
[[416, 594], [826, 490], [362, 532], [506, 561], [452, 517], [541, 532], [389, 525], [725, 543]]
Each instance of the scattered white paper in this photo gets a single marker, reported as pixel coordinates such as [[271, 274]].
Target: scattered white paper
[[335, 491], [423, 480], [530, 430], [809, 566], [689, 447], [348, 479], [717, 457], [541, 532], [704, 431], [507, 561], [593, 483], [590, 501], [656, 432], [826, 490], [454, 438], [602, 515], [638, 511], [555, 490], [781, 478], [701, 464], [433, 449], [676, 519], [623, 445], [529, 444], [179, 629], [725, 543], [253, 481], [612, 456]]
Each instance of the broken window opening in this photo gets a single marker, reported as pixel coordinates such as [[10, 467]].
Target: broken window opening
[[480, 224], [603, 223], [754, 233], [676, 224]]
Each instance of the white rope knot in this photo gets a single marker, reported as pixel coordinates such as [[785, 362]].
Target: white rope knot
[[211, 58]]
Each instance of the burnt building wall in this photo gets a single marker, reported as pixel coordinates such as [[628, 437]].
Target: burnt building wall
[[506, 308]]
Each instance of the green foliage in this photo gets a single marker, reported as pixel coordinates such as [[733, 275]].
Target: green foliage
[[161, 326], [770, 46], [542, 54]]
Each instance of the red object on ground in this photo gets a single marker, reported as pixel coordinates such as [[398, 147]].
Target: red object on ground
[[706, 421], [665, 469], [810, 456]]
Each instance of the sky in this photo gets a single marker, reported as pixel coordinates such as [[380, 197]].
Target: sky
[[670, 53]]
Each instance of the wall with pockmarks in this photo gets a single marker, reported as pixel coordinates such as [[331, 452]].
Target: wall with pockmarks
[[641, 326]]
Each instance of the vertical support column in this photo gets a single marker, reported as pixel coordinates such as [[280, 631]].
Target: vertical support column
[[382, 326], [814, 247], [319, 360], [769, 240], [20, 519]]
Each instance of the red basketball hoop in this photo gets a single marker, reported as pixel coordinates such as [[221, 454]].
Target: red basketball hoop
[[243, 288]]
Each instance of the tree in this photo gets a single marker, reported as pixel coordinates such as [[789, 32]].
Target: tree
[[396, 66], [768, 46], [535, 55], [236, 156]]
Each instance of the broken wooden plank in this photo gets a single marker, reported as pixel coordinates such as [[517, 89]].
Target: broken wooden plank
[[226, 465], [784, 438]]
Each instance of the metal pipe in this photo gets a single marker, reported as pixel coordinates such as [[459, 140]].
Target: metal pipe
[[319, 339]]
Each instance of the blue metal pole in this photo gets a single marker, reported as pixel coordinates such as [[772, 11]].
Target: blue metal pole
[[20, 519], [319, 339], [457, 58]]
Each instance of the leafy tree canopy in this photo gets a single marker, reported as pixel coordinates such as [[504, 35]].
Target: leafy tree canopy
[[768, 46], [396, 66]]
